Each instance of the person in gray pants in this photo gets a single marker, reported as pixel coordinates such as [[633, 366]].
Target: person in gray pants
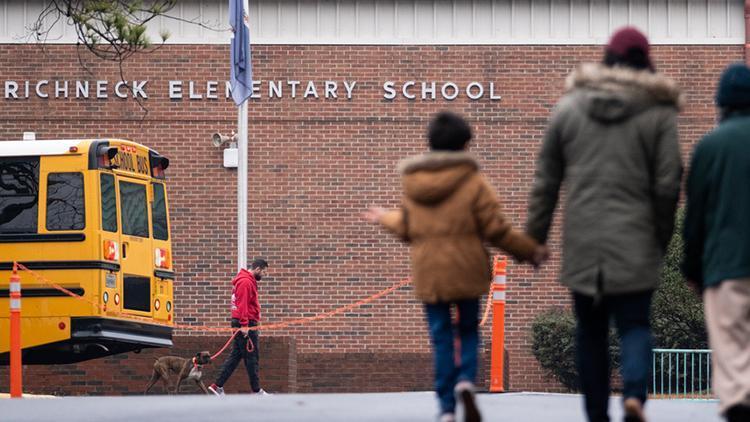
[[717, 240]]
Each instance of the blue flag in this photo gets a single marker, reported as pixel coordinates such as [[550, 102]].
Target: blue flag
[[241, 71]]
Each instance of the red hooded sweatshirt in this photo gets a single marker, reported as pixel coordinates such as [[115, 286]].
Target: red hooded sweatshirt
[[245, 306]]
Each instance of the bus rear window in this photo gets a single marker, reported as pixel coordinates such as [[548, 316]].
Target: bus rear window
[[159, 213], [109, 203], [19, 194], [133, 208], [65, 205]]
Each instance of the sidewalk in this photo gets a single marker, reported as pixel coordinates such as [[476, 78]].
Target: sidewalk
[[401, 407], [28, 396]]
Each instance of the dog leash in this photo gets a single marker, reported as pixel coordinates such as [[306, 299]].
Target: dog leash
[[249, 346]]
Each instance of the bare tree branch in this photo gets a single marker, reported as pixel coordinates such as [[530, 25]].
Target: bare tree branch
[[110, 30]]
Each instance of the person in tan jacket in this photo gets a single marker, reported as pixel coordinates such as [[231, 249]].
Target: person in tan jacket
[[448, 212]]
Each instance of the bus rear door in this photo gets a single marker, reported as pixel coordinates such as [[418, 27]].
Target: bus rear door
[[136, 256]]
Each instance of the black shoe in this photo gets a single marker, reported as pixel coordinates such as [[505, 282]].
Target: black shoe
[[738, 413], [465, 392], [633, 410]]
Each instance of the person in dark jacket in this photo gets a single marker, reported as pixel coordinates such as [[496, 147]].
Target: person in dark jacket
[[245, 314], [449, 210], [717, 240], [612, 139]]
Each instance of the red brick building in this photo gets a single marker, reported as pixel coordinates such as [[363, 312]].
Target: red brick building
[[317, 161]]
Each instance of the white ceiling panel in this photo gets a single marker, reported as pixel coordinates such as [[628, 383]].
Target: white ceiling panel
[[425, 21]]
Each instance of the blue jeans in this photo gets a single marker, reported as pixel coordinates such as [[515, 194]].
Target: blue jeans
[[447, 373], [631, 314]]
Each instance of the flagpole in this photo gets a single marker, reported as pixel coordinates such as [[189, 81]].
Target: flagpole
[[242, 186], [241, 82]]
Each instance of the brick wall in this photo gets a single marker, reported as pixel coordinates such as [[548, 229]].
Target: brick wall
[[282, 371], [315, 164], [129, 373]]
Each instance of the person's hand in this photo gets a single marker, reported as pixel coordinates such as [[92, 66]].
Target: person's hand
[[374, 214], [541, 254], [693, 285], [245, 331]]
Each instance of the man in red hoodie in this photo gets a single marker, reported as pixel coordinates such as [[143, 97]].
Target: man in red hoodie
[[245, 314]]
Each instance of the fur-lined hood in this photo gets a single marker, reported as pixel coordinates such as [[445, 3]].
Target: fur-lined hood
[[615, 93], [431, 177]]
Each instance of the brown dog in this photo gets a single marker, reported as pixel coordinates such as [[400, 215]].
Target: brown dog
[[185, 368]]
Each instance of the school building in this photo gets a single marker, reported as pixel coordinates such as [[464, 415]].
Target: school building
[[344, 89]]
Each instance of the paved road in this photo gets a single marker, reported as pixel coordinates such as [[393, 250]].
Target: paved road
[[411, 407]]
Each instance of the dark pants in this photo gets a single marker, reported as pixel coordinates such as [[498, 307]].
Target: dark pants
[[447, 374], [631, 314], [239, 352]]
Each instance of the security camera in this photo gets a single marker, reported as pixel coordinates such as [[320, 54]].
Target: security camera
[[218, 139]]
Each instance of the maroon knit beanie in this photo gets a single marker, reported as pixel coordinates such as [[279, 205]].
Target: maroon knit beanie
[[626, 39]]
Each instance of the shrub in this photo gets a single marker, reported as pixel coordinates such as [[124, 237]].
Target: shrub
[[553, 345], [677, 313]]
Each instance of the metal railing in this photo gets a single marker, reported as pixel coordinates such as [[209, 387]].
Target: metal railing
[[681, 373]]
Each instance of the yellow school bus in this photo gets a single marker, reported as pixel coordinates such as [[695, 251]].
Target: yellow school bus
[[92, 217]]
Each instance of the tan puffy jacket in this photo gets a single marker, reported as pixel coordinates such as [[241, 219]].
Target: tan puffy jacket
[[449, 211]]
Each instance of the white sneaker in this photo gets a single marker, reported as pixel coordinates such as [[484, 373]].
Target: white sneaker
[[262, 392], [219, 391], [447, 417]]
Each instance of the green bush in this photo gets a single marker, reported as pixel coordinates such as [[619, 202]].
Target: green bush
[[677, 312], [676, 317], [553, 345]]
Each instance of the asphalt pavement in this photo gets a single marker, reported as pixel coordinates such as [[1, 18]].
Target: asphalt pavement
[[411, 407]]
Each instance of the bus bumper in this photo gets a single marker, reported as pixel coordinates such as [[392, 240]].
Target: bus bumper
[[92, 338]]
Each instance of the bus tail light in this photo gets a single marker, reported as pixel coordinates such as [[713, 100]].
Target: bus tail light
[[161, 258], [111, 251], [157, 304]]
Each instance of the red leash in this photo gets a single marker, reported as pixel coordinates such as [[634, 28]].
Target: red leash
[[249, 346]]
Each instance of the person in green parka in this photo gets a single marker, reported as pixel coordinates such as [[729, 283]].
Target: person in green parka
[[612, 143], [717, 240]]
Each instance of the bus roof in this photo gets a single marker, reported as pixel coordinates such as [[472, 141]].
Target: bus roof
[[45, 147]]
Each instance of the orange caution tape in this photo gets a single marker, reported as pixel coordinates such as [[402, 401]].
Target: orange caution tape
[[487, 309], [273, 326], [497, 267]]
